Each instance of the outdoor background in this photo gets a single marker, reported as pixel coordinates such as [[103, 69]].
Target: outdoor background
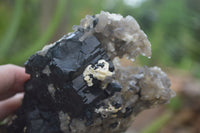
[[172, 26]]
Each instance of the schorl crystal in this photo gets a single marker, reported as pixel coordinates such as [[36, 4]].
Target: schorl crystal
[[78, 85]]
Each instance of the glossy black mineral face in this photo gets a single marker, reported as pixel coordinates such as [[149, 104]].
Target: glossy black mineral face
[[78, 85]]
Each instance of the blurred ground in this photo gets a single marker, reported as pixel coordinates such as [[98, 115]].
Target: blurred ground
[[172, 26], [183, 119], [183, 115]]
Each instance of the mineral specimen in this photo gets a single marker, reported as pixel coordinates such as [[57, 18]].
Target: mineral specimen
[[78, 85]]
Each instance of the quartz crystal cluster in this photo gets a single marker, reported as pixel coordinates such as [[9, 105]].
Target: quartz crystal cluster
[[78, 85]]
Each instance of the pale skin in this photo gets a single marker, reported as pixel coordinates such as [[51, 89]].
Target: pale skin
[[12, 79]]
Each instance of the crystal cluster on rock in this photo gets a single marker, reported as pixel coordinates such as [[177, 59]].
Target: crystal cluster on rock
[[78, 85]]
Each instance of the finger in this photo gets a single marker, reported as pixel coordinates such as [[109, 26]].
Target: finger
[[12, 80], [10, 105]]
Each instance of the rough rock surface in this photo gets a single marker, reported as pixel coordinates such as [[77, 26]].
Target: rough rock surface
[[78, 85]]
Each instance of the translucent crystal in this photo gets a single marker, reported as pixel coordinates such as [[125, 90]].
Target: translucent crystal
[[78, 84]]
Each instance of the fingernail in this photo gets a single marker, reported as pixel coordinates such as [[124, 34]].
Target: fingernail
[[19, 95]]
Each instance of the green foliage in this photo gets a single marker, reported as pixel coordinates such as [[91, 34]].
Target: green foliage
[[5, 15], [12, 29], [173, 28], [20, 57]]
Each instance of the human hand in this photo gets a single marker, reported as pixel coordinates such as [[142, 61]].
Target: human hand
[[12, 79]]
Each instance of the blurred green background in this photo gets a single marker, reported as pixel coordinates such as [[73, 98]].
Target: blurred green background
[[172, 26]]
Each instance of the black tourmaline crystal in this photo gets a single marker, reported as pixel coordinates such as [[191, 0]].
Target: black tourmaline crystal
[[64, 64], [78, 85]]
